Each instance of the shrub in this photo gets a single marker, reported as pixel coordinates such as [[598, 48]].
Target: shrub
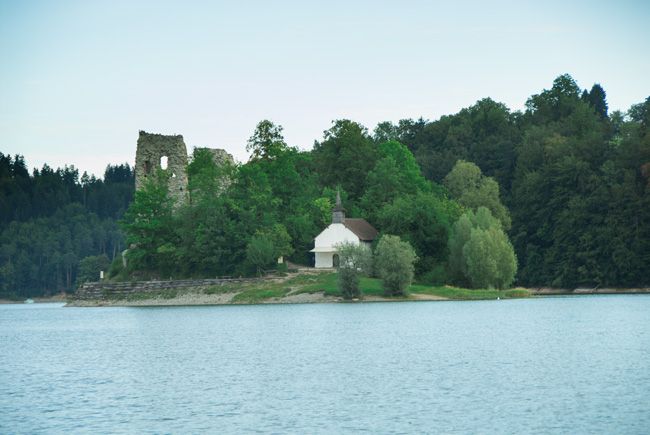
[[436, 276], [89, 268], [395, 263], [117, 269], [260, 252], [354, 260]]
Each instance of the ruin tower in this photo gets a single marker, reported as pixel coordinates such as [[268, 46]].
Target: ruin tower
[[152, 152], [219, 156]]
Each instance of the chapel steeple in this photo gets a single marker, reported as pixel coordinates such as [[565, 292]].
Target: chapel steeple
[[338, 213]]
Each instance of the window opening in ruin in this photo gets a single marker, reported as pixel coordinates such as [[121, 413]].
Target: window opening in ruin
[[163, 162], [147, 166], [173, 174]]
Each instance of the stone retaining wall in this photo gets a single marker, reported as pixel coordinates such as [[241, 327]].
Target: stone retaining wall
[[104, 290]]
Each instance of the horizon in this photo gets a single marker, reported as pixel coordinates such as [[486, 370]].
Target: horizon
[[83, 79]]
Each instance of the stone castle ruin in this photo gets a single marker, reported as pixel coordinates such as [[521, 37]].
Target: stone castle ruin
[[219, 156], [169, 153], [158, 151]]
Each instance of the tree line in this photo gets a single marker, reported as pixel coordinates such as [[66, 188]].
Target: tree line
[[563, 182], [51, 220]]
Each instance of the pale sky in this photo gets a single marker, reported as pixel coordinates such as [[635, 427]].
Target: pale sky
[[79, 79]]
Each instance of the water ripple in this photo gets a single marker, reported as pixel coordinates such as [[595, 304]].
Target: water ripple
[[556, 365]]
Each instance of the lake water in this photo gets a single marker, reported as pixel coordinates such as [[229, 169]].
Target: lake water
[[549, 365]]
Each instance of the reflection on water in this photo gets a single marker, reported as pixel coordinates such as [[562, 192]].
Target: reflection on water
[[563, 365]]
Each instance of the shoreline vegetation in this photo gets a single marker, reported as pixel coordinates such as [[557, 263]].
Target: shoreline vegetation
[[319, 287], [310, 288]]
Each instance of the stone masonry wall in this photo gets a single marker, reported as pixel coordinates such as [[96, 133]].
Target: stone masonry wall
[[104, 290], [220, 156], [151, 148]]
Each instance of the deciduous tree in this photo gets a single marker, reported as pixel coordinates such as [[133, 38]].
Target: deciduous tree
[[354, 261], [480, 253], [395, 264]]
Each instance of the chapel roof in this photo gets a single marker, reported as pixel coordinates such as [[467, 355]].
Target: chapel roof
[[361, 228]]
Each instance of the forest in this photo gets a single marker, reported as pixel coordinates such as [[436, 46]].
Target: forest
[[565, 182]]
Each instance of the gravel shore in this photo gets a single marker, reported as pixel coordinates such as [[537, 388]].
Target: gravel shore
[[196, 298]]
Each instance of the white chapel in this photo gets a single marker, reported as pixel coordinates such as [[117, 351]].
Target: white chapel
[[341, 229]]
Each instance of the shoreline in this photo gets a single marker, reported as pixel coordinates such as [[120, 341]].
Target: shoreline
[[547, 291], [200, 299], [265, 293], [60, 298], [315, 298]]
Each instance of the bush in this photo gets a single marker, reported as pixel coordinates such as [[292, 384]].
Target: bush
[[260, 252], [354, 260], [116, 270], [395, 264], [348, 283], [436, 276], [89, 268]]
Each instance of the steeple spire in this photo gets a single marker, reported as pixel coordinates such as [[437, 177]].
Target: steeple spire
[[338, 213]]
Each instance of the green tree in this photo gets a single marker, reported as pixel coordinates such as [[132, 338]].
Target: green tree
[[490, 258], [354, 260], [395, 264], [471, 189], [395, 174], [640, 115], [385, 132], [458, 238], [279, 238], [424, 220], [486, 133], [213, 237], [206, 178], [293, 188], [149, 228], [90, 267], [556, 103], [344, 157], [480, 253], [260, 252], [597, 99], [267, 141]]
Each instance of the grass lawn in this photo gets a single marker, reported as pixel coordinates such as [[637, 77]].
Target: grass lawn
[[458, 293], [326, 282]]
